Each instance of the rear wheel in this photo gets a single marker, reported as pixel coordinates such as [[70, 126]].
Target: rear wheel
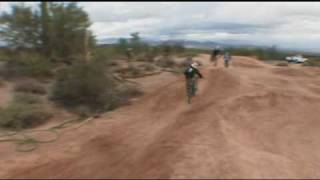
[[191, 89]]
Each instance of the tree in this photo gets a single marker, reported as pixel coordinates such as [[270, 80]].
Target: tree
[[45, 25], [59, 30], [20, 29], [178, 48], [135, 42], [69, 31], [123, 45], [166, 49]]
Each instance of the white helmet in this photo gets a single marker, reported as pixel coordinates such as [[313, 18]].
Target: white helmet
[[195, 65]]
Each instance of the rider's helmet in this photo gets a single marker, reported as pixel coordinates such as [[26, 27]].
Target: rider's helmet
[[195, 65]]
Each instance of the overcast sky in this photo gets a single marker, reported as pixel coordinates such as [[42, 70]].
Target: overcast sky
[[286, 24]]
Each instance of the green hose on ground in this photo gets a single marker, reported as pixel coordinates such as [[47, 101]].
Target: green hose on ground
[[27, 143]]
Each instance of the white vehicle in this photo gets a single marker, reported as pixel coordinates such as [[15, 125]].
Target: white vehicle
[[296, 59]]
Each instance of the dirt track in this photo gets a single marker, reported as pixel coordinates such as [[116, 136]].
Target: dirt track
[[252, 120]]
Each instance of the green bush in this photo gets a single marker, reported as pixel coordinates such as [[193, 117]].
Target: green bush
[[30, 87], [84, 84]]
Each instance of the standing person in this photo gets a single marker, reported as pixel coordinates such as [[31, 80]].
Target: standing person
[[191, 74], [227, 59], [215, 55]]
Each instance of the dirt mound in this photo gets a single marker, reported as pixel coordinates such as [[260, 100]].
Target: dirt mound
[[258, 101], [246, 62], [291, 72], [240, 125]]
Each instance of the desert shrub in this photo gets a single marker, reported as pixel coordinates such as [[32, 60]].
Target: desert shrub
[[282, 64], [27, 64], [166, 62], [189, 54], [112, 63], [84, 84], [129, 91], [3, 55], [38, 67], [168, 48], [151, 55], [186, 62], [199, 62], [1, 82], [83, 111], [141, 57], [194, 51], [133, 70], [30, 87], [130, 71], [147, 56], [148, 67], [312, 62], [271, 53], [21, 115], [124, 92], [25, 110], [104, 53], [26, 98]]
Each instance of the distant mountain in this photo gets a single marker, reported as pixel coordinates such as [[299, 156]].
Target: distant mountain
[[2, 44], [187, 43], [108, 41]]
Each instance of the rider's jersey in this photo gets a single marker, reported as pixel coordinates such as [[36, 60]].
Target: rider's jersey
[[215, 52], [227, 57], [190, 72]]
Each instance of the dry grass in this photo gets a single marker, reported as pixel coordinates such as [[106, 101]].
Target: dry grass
[[30, 86]]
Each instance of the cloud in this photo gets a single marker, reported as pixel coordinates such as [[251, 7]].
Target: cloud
[[281, 23], [6, 6]]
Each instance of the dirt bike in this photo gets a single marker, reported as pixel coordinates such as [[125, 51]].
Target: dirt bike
[[214, 59], [226, 64], [191, 89]]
